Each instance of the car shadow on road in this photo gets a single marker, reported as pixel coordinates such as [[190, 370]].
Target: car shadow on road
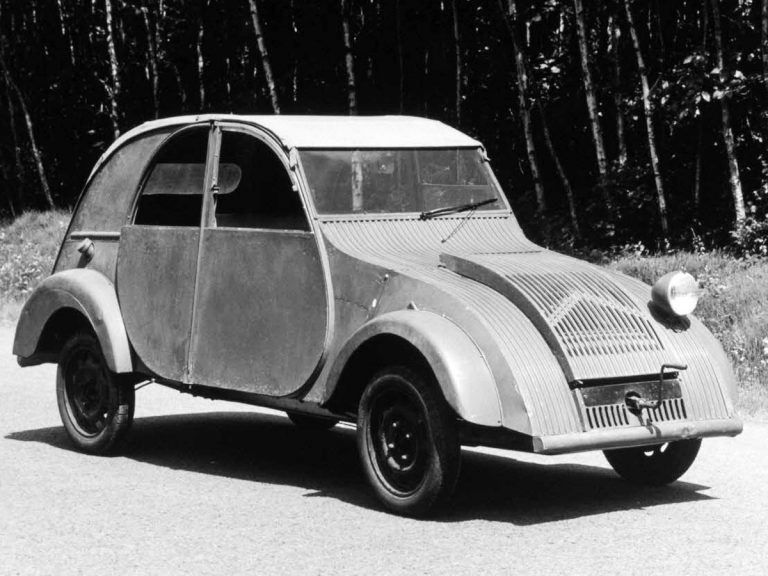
[[267, 448]]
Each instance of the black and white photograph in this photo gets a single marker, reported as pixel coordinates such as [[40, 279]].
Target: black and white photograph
[[387, 287]]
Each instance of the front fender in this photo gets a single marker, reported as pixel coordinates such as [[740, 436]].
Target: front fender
[[458, 364], [90, 293]]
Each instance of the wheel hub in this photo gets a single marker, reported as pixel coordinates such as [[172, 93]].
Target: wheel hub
[[401, 446], [88, 392], [399, 438]]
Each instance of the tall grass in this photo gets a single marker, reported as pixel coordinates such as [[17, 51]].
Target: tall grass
[[28, 247], [734, 307]]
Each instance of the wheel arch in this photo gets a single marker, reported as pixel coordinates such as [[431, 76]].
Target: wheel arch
[[425, 340], [67, 302]]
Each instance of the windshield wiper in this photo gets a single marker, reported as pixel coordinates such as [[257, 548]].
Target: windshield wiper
[[455, 209]]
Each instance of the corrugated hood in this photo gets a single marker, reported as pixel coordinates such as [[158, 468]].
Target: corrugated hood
[[593, 326]]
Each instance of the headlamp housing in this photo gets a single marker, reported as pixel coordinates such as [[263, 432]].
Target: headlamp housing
[[676, 293]]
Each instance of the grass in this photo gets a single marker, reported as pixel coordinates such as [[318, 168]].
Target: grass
[[28, 247], [734, 307]]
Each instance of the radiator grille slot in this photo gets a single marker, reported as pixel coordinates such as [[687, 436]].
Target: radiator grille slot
[[589, 317], [617, 415]]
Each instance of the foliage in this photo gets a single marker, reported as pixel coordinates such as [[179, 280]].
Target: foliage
[[28, 247], [407, 57]]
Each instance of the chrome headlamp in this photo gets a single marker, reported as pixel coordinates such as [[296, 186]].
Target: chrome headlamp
[[676, 293]]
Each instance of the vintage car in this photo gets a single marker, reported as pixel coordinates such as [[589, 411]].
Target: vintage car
[[369, 270]]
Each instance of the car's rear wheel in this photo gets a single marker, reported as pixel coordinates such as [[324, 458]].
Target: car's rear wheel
[[96, 405], [654, 465], [407, 442], [308, 422]]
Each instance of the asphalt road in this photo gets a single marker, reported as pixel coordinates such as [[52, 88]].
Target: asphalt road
[[218, 488]]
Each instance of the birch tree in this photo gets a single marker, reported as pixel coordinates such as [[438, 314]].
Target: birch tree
[[648, 112], [727, 132], [510, 10], [154, 73], [621, 141], [114, 89], [589, 92], [265, 63], [564, 180], [349, 61], [200, 58], [457, 56], [36, 155]]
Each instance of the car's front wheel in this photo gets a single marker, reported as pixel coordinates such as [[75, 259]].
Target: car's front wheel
[[654, 465], [407, 442], [96, 405]]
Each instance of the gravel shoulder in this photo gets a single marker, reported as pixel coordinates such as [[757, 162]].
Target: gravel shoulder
[[213, 487]]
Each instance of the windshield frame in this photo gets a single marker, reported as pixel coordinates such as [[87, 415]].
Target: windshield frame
[[504, 208]]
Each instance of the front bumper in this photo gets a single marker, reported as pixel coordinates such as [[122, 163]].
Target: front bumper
[[653, 433]]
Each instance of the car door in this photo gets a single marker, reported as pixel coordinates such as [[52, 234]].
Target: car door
[[261, 314], [158, 252]]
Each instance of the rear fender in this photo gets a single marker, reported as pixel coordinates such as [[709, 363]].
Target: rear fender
[[459, 367], [86, 291]]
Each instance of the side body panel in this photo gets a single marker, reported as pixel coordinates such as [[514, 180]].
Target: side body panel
[[156, 286], [260, 319], [90, 293]]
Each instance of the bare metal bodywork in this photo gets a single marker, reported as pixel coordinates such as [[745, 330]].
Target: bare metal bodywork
[[531, 349]]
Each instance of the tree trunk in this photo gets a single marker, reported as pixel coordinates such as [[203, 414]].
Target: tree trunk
[[764, 114], [648, 110], [730, 145], [457, 48], [348, 59], [153, 49], [201, 61], [589, 90], [621, 141], [65, 34], [264, 56], [31, 134], [152, 60], [114, 91], [11, 186], [15, 141], [296, 57], [764, 40], [510, 19], [560, 172]]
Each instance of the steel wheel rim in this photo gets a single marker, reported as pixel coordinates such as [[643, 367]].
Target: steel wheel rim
[[88, 394], [398, 437]]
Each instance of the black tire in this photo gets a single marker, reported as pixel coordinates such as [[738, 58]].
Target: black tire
[[96, 405], [654, 465], [308, 422], [407, 440]]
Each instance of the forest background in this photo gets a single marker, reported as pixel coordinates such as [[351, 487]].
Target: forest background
[[608, 122]]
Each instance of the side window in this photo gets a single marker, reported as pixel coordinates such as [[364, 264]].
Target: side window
[[255, 190], [173, 191]]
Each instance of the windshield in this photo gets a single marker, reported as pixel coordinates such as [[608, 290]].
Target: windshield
[[407, 180]]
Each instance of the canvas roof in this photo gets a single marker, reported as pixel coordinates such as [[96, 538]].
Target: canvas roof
[[328, 131]]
